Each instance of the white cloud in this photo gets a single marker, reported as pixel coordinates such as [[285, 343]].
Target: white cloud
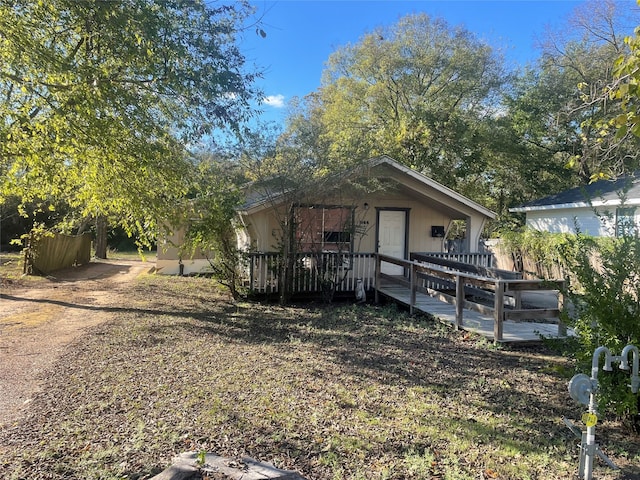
[[276, 101]]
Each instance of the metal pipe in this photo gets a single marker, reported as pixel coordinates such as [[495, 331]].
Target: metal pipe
[[580, 385], [590, 447], [596, 359], [624, 365]]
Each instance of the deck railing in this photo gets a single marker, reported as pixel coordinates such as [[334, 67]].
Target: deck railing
[[478, 259], [502, 306], [312, 271]]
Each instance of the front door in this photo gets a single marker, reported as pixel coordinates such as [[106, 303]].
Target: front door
[[392, 238]]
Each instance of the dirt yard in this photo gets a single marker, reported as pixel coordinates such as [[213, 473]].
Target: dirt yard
[[106, 377], [38, 320]]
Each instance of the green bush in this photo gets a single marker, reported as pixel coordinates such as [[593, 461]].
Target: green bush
[[605, 294], [604, 290], [539, 254]]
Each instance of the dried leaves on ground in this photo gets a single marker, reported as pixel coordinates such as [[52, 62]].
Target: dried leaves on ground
[[334, 392]]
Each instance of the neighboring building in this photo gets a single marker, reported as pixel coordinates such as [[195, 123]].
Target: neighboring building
[[602, 209], [397, 212]]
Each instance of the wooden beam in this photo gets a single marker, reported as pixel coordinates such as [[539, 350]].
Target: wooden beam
[[498, 312], [459, 301], [531, 314]]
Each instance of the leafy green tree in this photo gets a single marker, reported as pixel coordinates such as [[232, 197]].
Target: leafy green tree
[[624, 89], [607, 293], [553, 112], [574, 70], [101, 100], [212, 219], [417, 91]]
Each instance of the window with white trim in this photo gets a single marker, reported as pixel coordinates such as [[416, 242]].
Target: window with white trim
[[626, 221]]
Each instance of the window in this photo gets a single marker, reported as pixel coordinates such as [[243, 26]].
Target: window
[[625, 221], [325, 228], [337, 237]]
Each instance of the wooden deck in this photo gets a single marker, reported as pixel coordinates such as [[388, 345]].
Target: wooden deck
[[471, 296], [513, 331]]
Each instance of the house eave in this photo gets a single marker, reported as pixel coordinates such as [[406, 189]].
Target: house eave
[[423, 179]]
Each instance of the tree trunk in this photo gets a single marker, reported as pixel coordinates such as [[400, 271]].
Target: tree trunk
[[288, 260], [101, 237], [83, 225]]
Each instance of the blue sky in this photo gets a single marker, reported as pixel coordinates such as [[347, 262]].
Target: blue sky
[[301, 34]]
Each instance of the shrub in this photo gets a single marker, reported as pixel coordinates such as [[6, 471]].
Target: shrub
[[604, 290], [606, 296]]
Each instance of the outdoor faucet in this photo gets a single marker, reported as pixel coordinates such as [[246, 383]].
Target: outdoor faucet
[[624, 365]]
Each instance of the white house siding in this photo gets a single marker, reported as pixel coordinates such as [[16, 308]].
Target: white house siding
[[571, 220]]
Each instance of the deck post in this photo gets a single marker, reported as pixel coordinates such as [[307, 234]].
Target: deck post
[[251, 281], [562, 328], [412, 278], [498, 312], [377, 275], [518, 299], [459, 301]]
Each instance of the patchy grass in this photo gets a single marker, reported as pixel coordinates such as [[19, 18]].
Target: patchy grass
[[334, 392], [11, 275], [10, 265], [115, 254]]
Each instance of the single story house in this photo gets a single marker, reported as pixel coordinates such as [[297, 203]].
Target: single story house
[[381, 206], [605, 208]]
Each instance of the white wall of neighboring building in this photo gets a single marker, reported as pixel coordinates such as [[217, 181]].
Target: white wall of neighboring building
[[570, 220], [190, 267]]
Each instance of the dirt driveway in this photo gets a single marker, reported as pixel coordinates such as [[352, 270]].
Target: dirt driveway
[[39, 321]]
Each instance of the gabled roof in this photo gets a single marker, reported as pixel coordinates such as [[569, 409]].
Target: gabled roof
[[428, 187], [419, 185], [597, 194]]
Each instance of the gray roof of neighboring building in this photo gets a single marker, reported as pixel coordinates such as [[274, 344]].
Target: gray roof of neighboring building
[[602, 192]]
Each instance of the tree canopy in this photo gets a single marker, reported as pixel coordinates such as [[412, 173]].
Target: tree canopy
[[443, 102], [414, 91], [102, 101]]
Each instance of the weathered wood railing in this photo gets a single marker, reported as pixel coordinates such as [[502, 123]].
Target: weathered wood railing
[[311, 270], [472, 258], [471, 283], [263, 269]]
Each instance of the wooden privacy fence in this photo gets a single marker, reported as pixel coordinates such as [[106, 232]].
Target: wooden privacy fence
[[495, 295], [54, 252]]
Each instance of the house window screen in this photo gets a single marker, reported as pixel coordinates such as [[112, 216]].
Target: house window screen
[[625, 222], [325, 228]]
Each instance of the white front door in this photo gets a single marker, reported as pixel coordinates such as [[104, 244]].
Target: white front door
[[391, 238]]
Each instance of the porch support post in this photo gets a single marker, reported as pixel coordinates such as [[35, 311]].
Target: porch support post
[[459, 301], [377, 275], [562, 328], [412, 273], [498, 312], [252, 259]]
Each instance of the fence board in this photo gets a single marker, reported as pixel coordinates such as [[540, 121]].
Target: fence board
[[58, 251]]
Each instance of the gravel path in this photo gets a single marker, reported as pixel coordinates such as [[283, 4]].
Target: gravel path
[[38, 321]]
